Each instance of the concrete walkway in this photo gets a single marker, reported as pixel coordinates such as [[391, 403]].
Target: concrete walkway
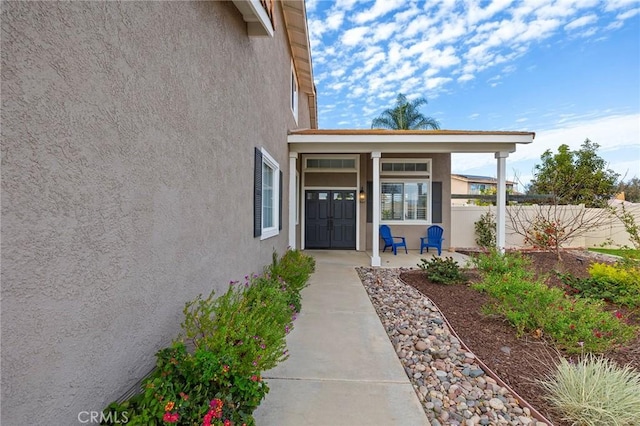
[[342, 368]]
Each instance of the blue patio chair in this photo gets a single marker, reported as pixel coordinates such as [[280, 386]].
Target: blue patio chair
[[389, 240], [433, 239]]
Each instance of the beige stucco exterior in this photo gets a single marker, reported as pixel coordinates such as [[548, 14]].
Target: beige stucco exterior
[[128, 139], [128, 136]]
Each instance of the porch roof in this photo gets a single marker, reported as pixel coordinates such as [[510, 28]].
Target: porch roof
[[404, 141]]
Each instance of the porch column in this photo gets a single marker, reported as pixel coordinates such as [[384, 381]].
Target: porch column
[[501, 201], [375, 255], [293, 198]]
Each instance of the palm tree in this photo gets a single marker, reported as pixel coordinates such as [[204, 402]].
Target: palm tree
[[405, 116]]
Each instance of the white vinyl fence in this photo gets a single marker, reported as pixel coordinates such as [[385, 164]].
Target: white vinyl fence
[[611, 233]]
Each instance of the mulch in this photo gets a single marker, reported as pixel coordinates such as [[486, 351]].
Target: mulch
[[519, 361]]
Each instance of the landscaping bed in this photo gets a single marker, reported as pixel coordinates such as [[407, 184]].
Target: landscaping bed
[[519, 360]]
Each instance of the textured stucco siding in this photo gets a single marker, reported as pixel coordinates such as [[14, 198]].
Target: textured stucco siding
[[128, 135]]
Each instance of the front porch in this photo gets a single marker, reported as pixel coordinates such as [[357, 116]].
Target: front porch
[[344, 184]]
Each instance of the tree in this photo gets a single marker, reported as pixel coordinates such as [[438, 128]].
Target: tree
[[631, 190], [405, 116], [579, 186], [575, 177]]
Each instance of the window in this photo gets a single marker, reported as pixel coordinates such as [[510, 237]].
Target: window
[[405, 201], [267, 194], [477, 188], [331, 163], [294, 93], [406, 193]]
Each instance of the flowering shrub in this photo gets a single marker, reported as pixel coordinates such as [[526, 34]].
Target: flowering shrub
[[533, 307], [293, 269], [544, 233], [234, 337]]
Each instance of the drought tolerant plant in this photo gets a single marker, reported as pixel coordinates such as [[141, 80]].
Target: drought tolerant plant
[[630, 225], [486, 231], [211, 375], [618, 283], [294, 269], [533, 307], [443, 271], [544, 234], [594, 391]]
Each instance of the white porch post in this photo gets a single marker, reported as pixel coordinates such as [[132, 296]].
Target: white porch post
[[501, 201], [293, 199], [375, 255]]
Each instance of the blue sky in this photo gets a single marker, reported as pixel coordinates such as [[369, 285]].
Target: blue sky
[[567, 70]]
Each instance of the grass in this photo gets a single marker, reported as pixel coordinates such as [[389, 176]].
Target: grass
[[632, 253], [594, 391]]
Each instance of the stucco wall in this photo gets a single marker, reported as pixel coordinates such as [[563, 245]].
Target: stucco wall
[[610, 233], [127, 185]]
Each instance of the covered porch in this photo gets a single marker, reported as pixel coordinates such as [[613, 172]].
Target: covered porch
[[344, 184]]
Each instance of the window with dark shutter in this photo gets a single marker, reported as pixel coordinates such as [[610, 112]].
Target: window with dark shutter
[[280, 203], [257, 194]]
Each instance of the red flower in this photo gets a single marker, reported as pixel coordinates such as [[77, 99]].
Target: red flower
[[618, 315], [255, 378], [184, 396], [227, 422], [170, 417], [597, 333], [572, 327]]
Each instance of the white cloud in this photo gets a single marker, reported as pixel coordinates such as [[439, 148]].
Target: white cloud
[[617, 136], [581, 22], [354, 36], [433, 83], [628, 14], [380, 8], [334, 20]]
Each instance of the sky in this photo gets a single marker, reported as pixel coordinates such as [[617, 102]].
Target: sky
[[566, 70]]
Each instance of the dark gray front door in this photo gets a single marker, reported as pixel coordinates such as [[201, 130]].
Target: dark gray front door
[[330, 219]]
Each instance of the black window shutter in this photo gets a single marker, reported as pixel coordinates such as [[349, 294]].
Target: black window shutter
[[369, 202], [280, 202], [436, 202], [257, 194]]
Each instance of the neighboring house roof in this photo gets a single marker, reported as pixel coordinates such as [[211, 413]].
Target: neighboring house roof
[[477, 178], [295, 21]]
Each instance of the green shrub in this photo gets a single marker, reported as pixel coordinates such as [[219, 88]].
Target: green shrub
[[294, 268], [531, 306], [495, 262], [594, 392], [619, 283], [486, 231], [444, 271], [184, 388], [234, 337]]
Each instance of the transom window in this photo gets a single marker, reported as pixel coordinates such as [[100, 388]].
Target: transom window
[[331, 163], [405, 167], [405, 190]]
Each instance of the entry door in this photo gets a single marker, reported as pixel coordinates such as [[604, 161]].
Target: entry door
[[330, 219]]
